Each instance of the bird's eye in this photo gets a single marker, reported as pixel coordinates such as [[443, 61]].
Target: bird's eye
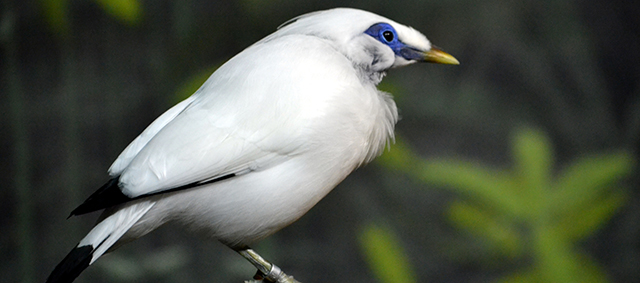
[[384, 33], [388, 35]]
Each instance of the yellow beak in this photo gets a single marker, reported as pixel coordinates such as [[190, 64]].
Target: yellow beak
[[438, 56]]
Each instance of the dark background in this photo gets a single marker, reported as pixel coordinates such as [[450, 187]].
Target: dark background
[[81, 79]]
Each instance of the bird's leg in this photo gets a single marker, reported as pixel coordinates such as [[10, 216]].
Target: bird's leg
[[266, 268], [266, 271]]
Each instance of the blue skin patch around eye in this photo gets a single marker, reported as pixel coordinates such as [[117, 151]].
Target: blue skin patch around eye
[[386, 34]]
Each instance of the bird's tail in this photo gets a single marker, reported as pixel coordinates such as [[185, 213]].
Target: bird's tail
[[102, 237]]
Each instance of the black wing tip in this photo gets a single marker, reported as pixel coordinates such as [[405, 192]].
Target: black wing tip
[[72, 265], [110, 194], [106, 196]]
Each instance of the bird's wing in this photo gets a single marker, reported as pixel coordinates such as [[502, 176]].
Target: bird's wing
[[252, 113], [139, 142], [198, 146]]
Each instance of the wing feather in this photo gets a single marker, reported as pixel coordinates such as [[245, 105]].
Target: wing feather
[[247, 116], [139, 142]]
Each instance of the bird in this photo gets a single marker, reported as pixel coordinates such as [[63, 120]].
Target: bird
[[268, 135]]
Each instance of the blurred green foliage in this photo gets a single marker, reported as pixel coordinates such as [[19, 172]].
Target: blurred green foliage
[[385, 255], [126, 11], [56, 12], [528, 211]]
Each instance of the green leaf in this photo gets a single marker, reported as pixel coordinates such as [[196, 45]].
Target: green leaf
[[586, 179], [503, 237], [590, 271], [581, 223], [385, 255], [556, 213], [555, 259], [533, 160], [400, 157], [527, 276], [490, 186], [127, 11]]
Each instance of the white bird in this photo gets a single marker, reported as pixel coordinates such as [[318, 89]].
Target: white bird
[[267, 136]]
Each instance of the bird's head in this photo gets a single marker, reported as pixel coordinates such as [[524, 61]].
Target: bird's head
[[370, 41]]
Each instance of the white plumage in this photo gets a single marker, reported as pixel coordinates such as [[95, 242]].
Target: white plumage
[[267, 136]]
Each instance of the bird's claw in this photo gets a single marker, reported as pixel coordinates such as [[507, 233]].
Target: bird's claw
[[275, 276]]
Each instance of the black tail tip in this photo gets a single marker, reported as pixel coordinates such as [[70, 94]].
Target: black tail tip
[[72, 265]]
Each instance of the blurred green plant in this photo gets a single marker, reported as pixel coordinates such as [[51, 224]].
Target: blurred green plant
[[385, 255], [56, 12], [527, 212]]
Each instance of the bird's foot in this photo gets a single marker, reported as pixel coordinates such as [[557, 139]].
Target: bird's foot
[[267, 272], [282, 278], [275, 276]]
